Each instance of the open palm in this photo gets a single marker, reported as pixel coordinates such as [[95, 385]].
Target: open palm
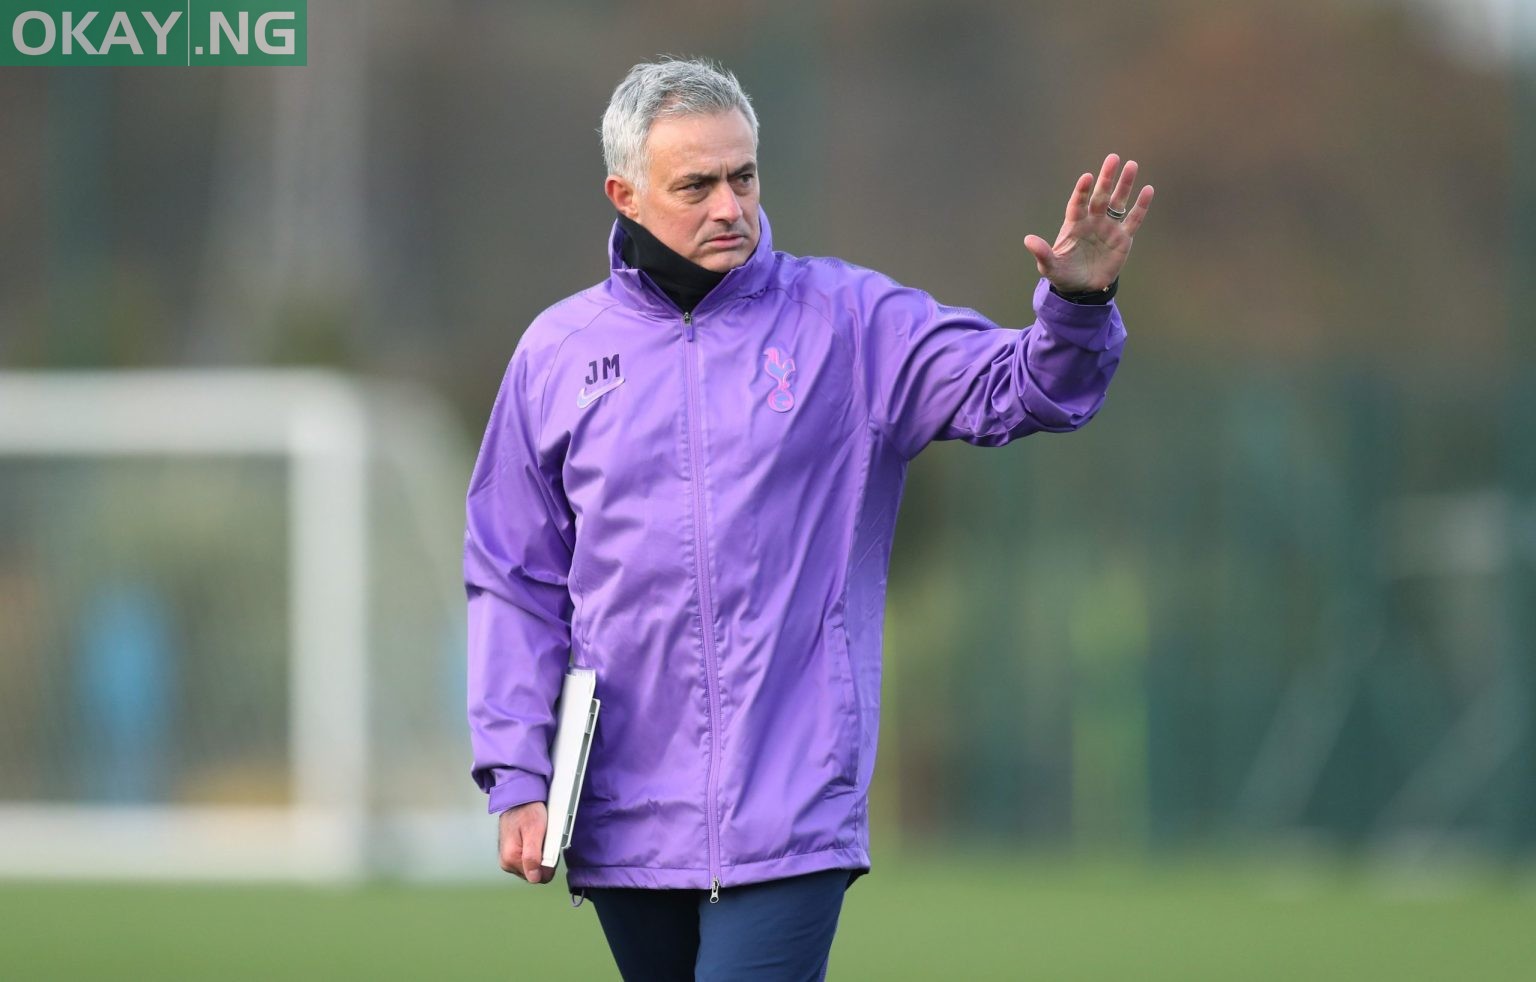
[[1093, 245]]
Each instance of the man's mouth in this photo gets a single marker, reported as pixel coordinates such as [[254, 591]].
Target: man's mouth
[[727, 241]]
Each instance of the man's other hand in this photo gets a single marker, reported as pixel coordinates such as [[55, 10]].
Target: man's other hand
[[1093, 245], [520, 836]]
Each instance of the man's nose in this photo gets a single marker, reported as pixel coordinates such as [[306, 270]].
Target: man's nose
[[724, 206]]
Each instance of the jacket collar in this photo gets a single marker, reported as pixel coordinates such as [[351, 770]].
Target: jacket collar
[[635, 288]]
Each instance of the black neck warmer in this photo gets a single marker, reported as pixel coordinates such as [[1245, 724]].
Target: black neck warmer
[[685, 282]]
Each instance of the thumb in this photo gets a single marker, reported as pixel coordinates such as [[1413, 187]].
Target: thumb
[[1045, 257], [533, 853]]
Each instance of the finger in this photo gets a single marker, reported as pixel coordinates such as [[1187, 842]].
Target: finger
[[1139, 212], [509, 843], [1077, 204], [1120, 200], [1100, 199]]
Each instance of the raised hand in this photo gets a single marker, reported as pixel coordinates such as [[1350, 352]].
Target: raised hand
[[1093, 245]]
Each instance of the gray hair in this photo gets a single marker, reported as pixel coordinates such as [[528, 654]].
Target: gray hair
[[659, 90]]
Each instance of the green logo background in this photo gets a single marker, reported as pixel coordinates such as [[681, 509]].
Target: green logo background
[[190, 41]]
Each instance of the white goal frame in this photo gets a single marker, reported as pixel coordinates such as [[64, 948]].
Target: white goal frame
[[318, 423]]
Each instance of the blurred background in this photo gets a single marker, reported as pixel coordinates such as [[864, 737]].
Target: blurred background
[[1237, 682]]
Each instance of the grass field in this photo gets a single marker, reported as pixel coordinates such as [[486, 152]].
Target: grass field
[[943, 920]]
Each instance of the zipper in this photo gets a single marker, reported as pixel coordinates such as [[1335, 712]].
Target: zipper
[[706, 607]]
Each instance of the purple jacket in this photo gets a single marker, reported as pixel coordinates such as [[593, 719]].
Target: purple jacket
[[701, 509]]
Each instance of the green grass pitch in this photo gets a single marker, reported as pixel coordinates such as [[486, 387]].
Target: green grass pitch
[[944, 919]]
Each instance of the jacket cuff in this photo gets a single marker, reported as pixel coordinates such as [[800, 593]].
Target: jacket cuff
[[1085, 325], [519, 788]]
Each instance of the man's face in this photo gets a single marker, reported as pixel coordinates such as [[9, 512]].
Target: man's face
[[701, 196]]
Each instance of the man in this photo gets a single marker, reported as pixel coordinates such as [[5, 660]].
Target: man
[[689, 483]]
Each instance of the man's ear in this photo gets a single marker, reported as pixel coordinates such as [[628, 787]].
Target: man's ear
[[623, 195]]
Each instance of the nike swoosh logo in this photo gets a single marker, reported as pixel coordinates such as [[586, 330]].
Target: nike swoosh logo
[[585, 398]]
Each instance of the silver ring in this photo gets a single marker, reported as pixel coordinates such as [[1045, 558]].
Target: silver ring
[[1118, 216]]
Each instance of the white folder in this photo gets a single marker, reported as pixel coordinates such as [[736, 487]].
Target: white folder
[[575, 723]]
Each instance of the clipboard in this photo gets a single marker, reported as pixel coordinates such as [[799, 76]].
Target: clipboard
[[576, 721]]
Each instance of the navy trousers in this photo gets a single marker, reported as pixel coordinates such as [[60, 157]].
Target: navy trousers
[[779, 929]]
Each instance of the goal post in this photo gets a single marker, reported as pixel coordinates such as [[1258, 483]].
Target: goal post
[[330, 437]]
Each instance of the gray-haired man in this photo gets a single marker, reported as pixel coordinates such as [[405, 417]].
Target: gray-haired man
[[689, 484]]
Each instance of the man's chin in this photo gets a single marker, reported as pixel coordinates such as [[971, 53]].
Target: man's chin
[[725, 260]]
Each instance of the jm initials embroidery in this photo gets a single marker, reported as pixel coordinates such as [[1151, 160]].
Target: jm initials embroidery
[[609, 375]]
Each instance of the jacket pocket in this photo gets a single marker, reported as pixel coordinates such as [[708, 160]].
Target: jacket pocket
[[851, 723]]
